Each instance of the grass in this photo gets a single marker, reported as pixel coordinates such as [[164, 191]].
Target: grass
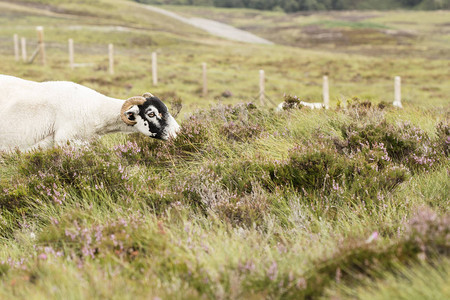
[[357, 25], [412, 34], [218, 218], [350, 202], [231, 67], [419, 282]]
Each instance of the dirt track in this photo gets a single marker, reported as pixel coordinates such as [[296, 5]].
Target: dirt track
[[215, 28]]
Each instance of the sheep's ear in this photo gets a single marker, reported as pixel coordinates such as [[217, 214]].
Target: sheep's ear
[[131, 113], [130, 109]]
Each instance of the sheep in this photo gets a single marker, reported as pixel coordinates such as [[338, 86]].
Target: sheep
[[41, 115], [283, 105]]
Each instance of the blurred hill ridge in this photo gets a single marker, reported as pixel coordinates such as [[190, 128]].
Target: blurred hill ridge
[[311, 5]]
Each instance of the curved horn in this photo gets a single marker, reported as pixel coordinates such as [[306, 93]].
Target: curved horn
[[148, 95], [127, 105]]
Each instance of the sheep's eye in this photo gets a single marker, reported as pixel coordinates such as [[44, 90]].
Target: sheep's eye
[[151, 114]]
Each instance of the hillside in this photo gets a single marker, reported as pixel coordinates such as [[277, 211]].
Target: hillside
[[310, 5], [409, 34], [246, 203], [232, 68]]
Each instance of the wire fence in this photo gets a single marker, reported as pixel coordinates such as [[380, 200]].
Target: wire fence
[[22, 47]]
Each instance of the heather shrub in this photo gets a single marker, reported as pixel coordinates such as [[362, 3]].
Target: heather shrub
[[325, 171], [426, 236], [372, 172], [291, 102], [206, 190], [240, 131], [243, 111], [15, 203], [383, 104], [357, 135], [191, 140], [122, 237], [443, 138], [240, 176], [429, 232], [12, 197], [311, 170], [51, 172], [364, 109], [160, 200], [243, 210], [404, 144], [404, 140], [356, 103], [130, 151], [240, 123]]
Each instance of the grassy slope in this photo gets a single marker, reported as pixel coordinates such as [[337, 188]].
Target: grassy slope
[[374, 33], [231, 66], [188, 226], [203, 219]]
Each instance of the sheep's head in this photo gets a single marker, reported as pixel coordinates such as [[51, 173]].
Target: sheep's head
[[150, 116]]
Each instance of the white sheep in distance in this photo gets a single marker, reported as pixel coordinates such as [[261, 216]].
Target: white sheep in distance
[[314, 105], [44, 114]]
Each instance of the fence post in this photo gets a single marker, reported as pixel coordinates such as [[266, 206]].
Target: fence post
[[111, 58], [397, 91], [326, 92], [205, 81], [40, 32], [71, 58], [16, 47], [261, 87], [154, 68], [23, 42]]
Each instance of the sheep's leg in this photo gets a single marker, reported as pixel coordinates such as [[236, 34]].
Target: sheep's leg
[[64, 139], [43, 144], [76, 143]]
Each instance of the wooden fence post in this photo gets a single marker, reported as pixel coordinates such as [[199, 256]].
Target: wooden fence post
[[71, 54], [111, 58], [40, 32], [23, 42], [326, 92], [205, 81], [397, 91], [16, 47], [154, 68], [261, 87]]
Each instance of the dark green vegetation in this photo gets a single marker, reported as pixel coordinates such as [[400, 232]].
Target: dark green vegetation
[[245, 203], [310, 5]]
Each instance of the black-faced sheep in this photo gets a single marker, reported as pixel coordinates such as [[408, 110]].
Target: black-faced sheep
[[44, 114]]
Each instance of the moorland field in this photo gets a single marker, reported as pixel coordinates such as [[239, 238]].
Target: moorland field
[[246, 203]]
